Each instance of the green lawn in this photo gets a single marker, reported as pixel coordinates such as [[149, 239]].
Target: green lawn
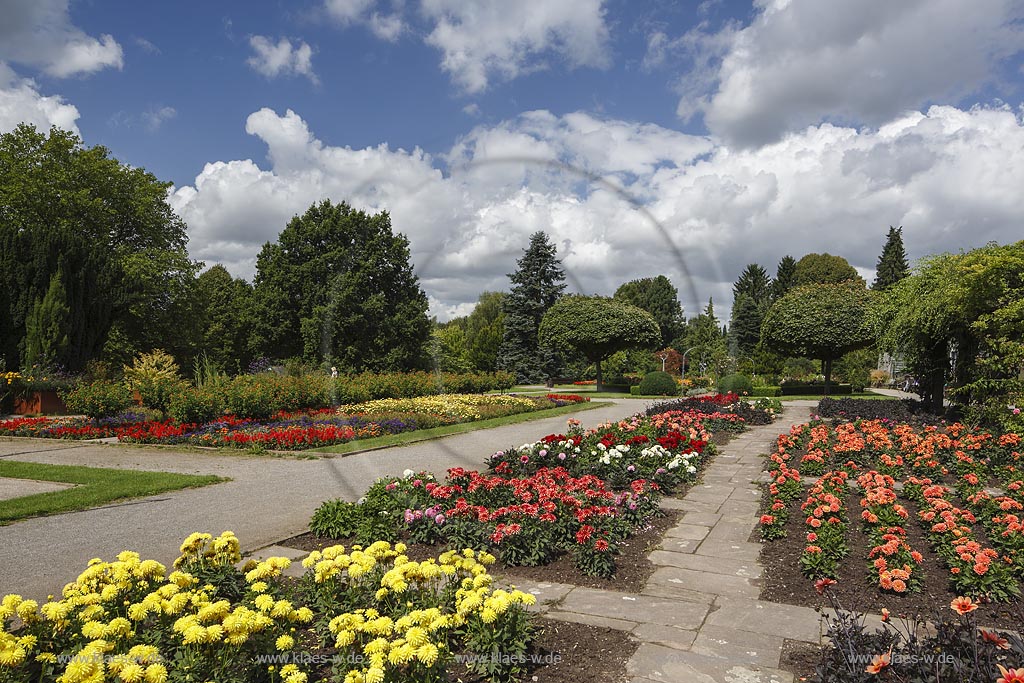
[[426, 434], [96, 486], [818, 397]]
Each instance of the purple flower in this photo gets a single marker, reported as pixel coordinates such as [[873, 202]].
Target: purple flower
[[409, 517], [439, 519], [542, 453], [561, 456], [630, 469]]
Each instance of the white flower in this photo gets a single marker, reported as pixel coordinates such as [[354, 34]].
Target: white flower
[[408, 474], [691, 469], [605, 459], [601, 446]]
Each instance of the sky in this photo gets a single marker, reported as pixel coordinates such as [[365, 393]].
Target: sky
[[653, 137]]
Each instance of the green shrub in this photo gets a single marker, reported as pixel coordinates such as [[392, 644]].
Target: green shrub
[[816, 388], [736, 384], [336, 519], [635, 390], [658, 383], [250, 396], [98, 399], [157, 392], [194, 405], [767, 391]]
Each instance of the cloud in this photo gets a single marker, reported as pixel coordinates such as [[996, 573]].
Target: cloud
[[21, 102], [385, 25], [494, 40], [801, 62], [623, 200], [152, 119], [39, 33], [146, 45], [273, 60]]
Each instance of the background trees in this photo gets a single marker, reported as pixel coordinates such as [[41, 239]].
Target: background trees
[[892, 263], [338, 288], [106, 227], [596, 327], [823, 321], [225, 305], [822, 268], [536, 285], [752, 294], [659, 297]]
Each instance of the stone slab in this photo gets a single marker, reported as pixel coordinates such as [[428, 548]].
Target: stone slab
[[708, 519], [678, 592], [730, 551], [704, 563], [637, 608], [672, 504], [679, 545], [699, 506], [742, 647], [691, 532], [659, 663], [768, 618], [592, 620], [668, 636], [702, 582], [11, 487]]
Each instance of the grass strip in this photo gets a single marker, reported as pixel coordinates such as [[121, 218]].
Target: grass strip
[[95, 486], [404, 438]]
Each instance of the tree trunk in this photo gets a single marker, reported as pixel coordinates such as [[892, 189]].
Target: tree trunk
[[828, 374], [600, 382]]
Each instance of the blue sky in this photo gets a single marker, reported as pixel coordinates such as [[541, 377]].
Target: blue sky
[[738, 131]]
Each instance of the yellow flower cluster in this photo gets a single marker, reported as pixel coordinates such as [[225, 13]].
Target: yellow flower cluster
[[418, 637], [456, 406], [99, 616], [9, 377]]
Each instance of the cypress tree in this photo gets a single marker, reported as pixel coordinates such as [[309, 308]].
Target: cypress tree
[[892, 264], [46, 335], [536, 285], [752, 293]]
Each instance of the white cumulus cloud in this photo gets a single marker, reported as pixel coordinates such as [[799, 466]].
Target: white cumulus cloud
[[495, 40], [39, 33], [21, 102], [801, 62], [281, 58], [623, 200]]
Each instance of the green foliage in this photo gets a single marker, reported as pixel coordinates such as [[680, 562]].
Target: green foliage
[[824, 269], [46, 337], [536, 285], [448, 349], [338, 287], [107, 228], [658, 383], [155, 376], [972, 302], [855, 367], [484, 329], [98, 399], [736, 384], [703, 338], [225, 306], [659, 297], [784, 275], [194, 405], [596, 327], [892, 263], [768, 391], [336, 519], [250, 396], [822, 321]]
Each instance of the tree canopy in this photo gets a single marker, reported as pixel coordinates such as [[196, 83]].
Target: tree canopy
[[659, 297], [704, 339], [107, 227], [823, 321], [225, 305], [892, 263], [536, 285], [824, 268], [597, 327], [338, 288], [752, 293]]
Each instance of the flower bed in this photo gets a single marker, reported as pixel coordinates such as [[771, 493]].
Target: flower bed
[[293, 431], [371, 611], [581, 493], [958, 486]]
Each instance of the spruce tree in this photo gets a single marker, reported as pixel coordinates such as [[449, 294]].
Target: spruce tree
[[784, 275], [536, 285], [752, 295], [892, 264]]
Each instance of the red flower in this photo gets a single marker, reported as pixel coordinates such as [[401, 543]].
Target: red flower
[[1010, 675], [821, 584], [995, 639], [962, 605], [601, 545], [878, 663]]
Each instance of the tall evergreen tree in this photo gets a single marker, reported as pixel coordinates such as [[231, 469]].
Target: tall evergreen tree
[[892, 264], [659, 297], [784, 276], [536, 285], [752, 293], [705, 339], [225, 305], [46, 335]]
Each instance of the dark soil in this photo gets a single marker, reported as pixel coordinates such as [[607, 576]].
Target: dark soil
[[633, 566], [799, 659], [782, 581], [576, 652]]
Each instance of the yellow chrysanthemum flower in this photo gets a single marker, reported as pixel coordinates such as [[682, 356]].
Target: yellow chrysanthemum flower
[[284, 643]]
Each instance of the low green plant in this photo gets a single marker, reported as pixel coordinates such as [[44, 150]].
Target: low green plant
[[736, 383], [194, 405], [98, 399], [336, 519]]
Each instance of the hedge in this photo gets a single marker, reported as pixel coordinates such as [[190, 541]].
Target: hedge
[[794, 389]]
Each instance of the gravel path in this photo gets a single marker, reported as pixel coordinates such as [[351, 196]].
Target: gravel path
[[267, 499]]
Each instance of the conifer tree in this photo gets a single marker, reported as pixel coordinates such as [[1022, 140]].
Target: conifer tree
[[46, 335], [892, 264], [784, 275], [536, 285]]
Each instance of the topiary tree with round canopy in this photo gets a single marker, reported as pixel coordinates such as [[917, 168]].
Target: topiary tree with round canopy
[[597, 327], [823, 321]]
